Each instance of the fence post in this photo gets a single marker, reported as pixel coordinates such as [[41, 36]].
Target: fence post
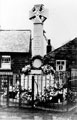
[[32, 91], [19, 89], [7, 91], [67, 94]]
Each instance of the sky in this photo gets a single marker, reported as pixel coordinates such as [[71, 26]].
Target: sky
[[60, 26]]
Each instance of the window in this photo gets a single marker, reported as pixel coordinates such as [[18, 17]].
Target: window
[[60, 65], [58, 62], [62, 62], [5, 59], [6, 62]]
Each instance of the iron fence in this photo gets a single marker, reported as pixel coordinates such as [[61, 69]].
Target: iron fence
[[39, 91]]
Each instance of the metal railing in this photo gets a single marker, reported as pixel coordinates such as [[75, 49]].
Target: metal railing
[[39, 91]]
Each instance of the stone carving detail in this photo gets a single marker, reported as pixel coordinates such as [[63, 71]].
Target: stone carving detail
[[38, 13]]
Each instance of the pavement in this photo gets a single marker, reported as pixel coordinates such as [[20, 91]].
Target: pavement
[[12, 113]]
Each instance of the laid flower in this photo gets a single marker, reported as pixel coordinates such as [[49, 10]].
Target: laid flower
[[26, 68], [48, 69]]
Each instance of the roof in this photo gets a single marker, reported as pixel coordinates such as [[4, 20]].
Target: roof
[[70, 48], [15, 40]]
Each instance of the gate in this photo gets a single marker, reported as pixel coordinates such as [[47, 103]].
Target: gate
[[9, 89], [32, 89], [5, 80]]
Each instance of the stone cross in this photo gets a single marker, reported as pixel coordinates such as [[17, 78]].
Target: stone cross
[[38, 15]]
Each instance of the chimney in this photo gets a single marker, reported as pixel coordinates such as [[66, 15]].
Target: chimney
[[49, 47]]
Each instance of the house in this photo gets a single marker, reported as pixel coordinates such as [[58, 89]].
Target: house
[[15, 53], [64, 59]]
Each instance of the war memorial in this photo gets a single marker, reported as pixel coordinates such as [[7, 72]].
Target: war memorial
[[38, 77]]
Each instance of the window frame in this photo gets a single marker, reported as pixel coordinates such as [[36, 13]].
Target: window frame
[[5, 59], [59, 67]]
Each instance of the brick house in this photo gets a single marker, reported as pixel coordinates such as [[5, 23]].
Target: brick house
[[64, 59], [15, 52]]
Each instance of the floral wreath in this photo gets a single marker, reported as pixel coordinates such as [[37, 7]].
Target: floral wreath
[[46, 69], [36, 57]]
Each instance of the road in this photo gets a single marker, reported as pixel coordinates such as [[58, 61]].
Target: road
[[29, 114]]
